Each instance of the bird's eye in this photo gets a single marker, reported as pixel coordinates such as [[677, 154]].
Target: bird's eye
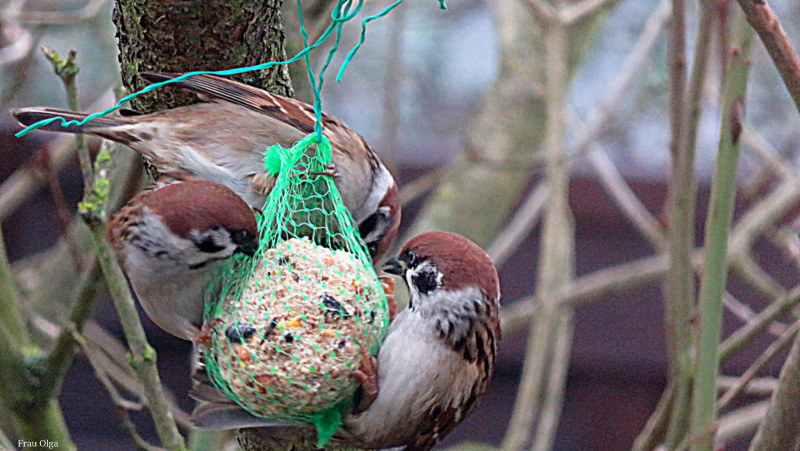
[[412, 258]]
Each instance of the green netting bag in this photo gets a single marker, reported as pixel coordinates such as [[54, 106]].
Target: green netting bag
[[292, 322]]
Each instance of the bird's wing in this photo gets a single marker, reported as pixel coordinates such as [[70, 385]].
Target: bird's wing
[[212, 88]]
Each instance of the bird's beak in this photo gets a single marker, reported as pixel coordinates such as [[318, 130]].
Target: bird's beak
[[249, 248], [395, 266]]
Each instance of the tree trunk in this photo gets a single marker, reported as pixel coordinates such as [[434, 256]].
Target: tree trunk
[[182, 36]]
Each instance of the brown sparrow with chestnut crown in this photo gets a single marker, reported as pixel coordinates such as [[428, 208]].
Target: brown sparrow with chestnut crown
[[437, 359], [169, 240], [223, 141]]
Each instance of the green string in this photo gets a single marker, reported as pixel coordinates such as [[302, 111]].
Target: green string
[[341, 13], [364, 23]]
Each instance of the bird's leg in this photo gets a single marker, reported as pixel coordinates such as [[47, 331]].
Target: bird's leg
[[388, 288], [367, 374]]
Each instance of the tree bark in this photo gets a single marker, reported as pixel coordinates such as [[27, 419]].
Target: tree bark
[[183, 35]]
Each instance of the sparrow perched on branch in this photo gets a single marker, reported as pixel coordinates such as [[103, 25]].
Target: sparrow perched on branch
[[223, 141], [169, 240], [435, 364]]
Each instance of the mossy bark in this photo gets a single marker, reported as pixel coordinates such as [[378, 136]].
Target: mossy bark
[[188, 35]]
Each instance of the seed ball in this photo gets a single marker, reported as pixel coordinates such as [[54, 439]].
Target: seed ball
[[296, 333]]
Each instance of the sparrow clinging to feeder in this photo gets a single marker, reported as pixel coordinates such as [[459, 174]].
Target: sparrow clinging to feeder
[[169, 240], [223, 139], [434, 366]]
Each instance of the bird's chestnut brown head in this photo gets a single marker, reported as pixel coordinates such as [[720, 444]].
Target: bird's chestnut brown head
[[189, 220], [437, 262], [211, 216]]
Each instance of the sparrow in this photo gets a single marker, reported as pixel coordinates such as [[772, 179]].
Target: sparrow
[[170, 240], [434, 366], [224, 139]]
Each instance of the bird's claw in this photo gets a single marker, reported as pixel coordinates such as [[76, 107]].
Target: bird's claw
[[388, 289], [330, 171], [367, 374], [204, 337]]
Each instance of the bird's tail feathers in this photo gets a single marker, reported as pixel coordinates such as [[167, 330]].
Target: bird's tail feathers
[[29, 116]]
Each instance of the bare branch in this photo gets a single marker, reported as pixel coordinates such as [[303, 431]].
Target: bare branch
[[122, 405], [626, 199], [740, 422], [758, 364], [25, 182], [780, 429], [526, 216], [620, 87], [761, 321], [411, 191], [779, 47], [542, 10], [577, 11], [746, 314], [757, 385], [587, 288]]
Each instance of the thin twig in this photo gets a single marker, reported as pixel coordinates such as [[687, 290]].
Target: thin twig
[[621, 86], [67, 70], [778, 45], [626, 199], [780, 429], [60, 357], [759, 145], [740, 422], [62, 210], [587, 288], [723, 193], [25, 182], [411, 191], [542, 10], [656, 425], [92, 210], [518, 229], [526, 216], [746, 314], [394, 75], [579, 10], [768, 210], [757, 385], [679, 287], [122, 405], [758, 324], [750, 272], [758, 364]]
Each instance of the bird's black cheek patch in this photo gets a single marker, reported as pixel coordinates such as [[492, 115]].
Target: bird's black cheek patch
[[425, 282], [209, 246]]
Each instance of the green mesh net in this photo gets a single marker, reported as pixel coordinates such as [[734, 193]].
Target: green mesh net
[[293, 322]]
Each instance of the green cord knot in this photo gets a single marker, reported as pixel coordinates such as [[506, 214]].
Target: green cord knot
[[313, 145]]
